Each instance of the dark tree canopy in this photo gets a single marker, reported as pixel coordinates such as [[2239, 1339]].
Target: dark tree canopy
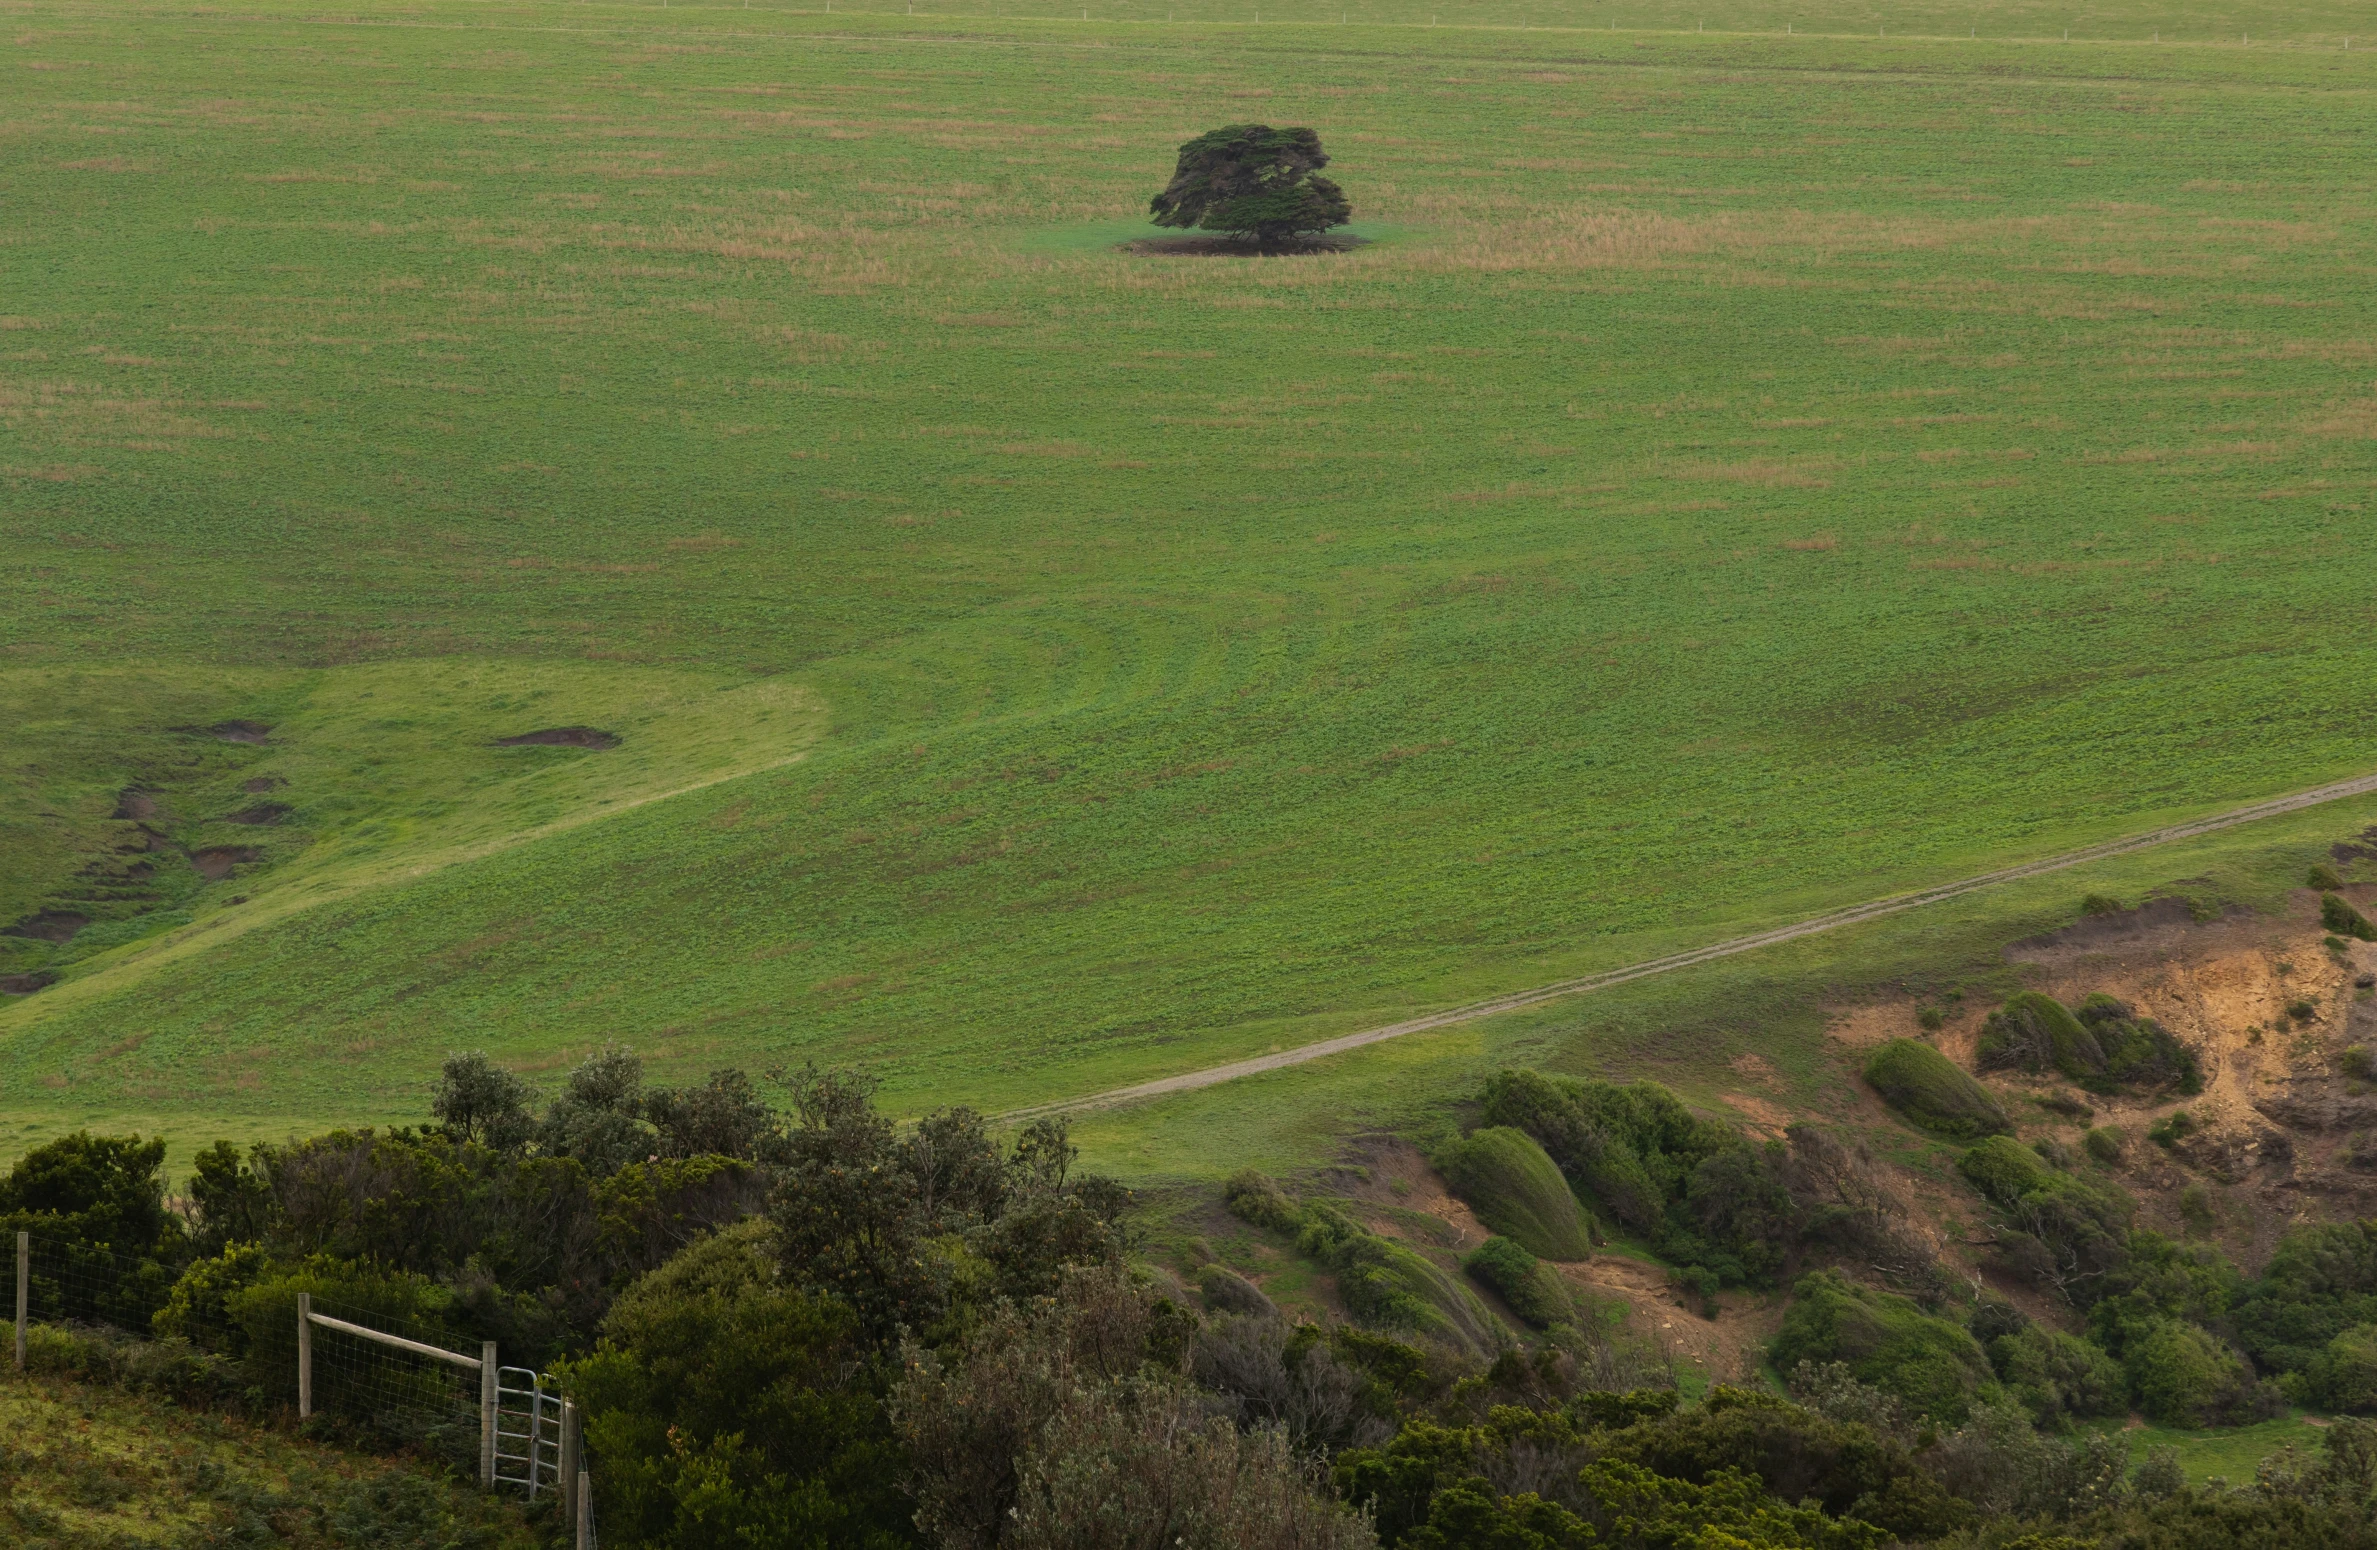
[[1253, 180]]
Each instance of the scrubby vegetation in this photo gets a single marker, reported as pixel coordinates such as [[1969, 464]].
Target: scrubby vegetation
[[819, 1329], [1533, 1289], [1700, 1193], [2104, 1046], [1933, 1091], [1932, 1364], [1517, 1190], [2337, 914]]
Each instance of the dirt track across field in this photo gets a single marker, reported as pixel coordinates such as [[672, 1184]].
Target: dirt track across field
[[1190, 1081]]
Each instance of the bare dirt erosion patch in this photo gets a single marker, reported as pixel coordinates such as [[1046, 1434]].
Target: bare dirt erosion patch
[[262, 812], [49, 926], [135, 805], [215, 863], [561, 737]]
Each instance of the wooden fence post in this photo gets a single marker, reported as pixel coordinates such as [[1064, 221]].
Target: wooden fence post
[[585, 1534], [24, 1290], [568, 1473], [487, 1414], [305, 1355]]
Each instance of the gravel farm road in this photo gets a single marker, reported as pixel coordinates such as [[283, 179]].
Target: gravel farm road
[[1190, 1081]]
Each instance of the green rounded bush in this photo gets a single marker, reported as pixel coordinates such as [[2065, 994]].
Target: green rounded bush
[[1884, 1340], [1517, 1191], [2184, 1376], [1532, 1288], [1933, 1091], [2337, 914]]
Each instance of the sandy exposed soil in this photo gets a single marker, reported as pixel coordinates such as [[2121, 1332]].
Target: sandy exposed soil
[[2283, 1128]]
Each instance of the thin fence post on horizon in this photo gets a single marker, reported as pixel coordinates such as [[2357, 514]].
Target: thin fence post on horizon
[[24, 1290]]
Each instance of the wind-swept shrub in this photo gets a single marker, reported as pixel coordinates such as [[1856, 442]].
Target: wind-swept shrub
[[1701, 1193], [1533, 1289], [1390, 1285], [1934, 1092], [1517, 1190], [2337, 914], [1885, 1340], [2060, 1231]]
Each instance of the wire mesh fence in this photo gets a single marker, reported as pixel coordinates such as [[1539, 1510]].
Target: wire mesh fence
[[372, 1376], [88, 1283]]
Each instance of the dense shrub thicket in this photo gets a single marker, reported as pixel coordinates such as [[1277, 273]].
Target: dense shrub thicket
[[1699, 1192], [821, 1329], [2102, 1045]]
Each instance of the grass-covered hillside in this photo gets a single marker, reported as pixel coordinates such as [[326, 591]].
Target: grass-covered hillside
[[88, 1466], [1747, 474]]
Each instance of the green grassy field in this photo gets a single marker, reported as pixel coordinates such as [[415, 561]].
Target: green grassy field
[[1750, 474]]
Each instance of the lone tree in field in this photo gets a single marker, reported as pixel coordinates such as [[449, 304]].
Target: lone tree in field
[[1253, 181]]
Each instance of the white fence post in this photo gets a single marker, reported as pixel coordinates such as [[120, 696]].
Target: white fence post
[[487, 1414], [305, 1355], [24, 1290]]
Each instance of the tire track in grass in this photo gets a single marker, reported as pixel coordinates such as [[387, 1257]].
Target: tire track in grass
[[1211, 1076]]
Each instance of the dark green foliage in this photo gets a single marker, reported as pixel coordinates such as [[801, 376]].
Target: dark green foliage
[[2358, 1062], [2320, 1285], [2104, 1046], [2035, 1032], [1253, 180], [2183, 1375], [1517, 1190], [1933, 1092], [478, 1100], [2337, 914], [720, 1401], [2324, 877], [112, 1248], [2106, 1143], [92, 1189], [198, 1309], [1533, 1289], [1930, 1363], [1699, 1192], [598, 1119], [2156, 1280], [1065, 1423], [647, 1211], [2343, 1375], [231, 1200], [723, 1117], [2060, 1232], [2171, 1129], [1254, 1197], [1385, 1283], [893, 1225], [2058, 1377]]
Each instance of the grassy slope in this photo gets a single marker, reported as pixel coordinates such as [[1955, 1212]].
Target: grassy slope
[[84, 1467], [1754, 476]]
